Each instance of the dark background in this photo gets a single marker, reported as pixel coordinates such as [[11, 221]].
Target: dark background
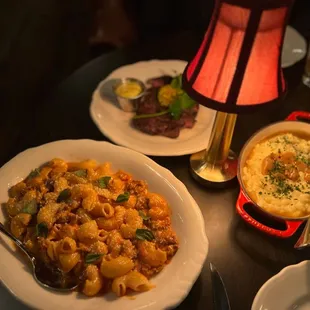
[[42, 42]]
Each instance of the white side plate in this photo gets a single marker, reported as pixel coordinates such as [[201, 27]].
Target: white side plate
[[294, 47], [172, 284], [288, 290], [115, 124]]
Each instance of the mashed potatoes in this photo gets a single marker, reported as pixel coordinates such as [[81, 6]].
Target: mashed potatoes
[[277, 175]]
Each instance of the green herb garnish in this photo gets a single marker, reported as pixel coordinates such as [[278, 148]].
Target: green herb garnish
[[144, 217], [123, 197], [175, 109], [34, 173], [301, 157], [179, 104], [31, 207], [92, 257], [64, 195], [139, 116], [276, 178], [177, 81], [277, 168], [182, 103], [286, 140], [103, 182], [144, 234], [284, 189], [42, 230], [297, 188], [81, 173]]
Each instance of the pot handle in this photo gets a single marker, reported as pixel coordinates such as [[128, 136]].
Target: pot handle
[[294, 116], [292, 226]]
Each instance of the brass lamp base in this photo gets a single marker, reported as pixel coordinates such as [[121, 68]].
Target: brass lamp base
[[217, 166], [217, 175]]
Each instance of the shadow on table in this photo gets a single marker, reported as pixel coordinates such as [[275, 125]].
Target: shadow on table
[[276, 254], [193, 299]]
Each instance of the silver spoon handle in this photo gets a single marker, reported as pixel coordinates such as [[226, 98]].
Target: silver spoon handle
[[14, 239]]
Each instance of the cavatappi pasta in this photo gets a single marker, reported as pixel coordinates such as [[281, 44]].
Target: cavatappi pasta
[[103, 227]]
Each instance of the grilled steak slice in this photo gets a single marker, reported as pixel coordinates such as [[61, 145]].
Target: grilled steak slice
[[159, 81], [163, 125]]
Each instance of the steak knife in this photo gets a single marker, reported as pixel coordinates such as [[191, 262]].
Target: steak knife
[[220, 297]]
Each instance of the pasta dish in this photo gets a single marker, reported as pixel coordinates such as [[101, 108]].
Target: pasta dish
[[106, 228]]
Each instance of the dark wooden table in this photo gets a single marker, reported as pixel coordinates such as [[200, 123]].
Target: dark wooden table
[[245, 257]]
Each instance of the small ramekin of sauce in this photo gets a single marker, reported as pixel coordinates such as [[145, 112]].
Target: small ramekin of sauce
[[128, 91]]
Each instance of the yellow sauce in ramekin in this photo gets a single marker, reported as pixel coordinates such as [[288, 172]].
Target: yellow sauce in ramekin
[[129, 90]]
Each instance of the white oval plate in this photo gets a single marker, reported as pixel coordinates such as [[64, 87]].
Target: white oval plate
[[115, 124], [294, 47], [172, 284], [288, 290]]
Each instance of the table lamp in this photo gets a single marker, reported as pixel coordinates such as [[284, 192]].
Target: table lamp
[[237, 69]]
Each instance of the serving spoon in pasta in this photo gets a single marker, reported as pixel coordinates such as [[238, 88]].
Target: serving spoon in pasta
[[47, 276]]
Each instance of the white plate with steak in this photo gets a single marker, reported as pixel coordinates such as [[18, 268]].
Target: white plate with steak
[[161, 135]]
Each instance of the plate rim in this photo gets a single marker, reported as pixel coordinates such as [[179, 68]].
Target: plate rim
[[121, 142], [275, 278], [302, 39], [196, 261]]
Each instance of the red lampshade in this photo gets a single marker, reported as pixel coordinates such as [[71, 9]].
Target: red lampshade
[[238, 65]]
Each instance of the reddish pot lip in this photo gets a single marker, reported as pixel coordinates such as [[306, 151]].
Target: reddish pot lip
[[239, 174]]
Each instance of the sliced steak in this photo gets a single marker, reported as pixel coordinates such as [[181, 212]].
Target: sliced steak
[[159, 81], [188, 116], [163, 125], [149, 104], [160, 125]]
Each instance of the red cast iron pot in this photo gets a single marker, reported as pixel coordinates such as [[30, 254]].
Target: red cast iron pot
[[292, 124]]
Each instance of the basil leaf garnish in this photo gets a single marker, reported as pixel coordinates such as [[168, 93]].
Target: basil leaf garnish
[[81, 173], [103, 182], [186, 101], [144, 217], [123, 197], [144, 234], [34, 173], [64, 195], [31, 207], [177, 81], [42, 230], [182, 103], [92, 257]]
